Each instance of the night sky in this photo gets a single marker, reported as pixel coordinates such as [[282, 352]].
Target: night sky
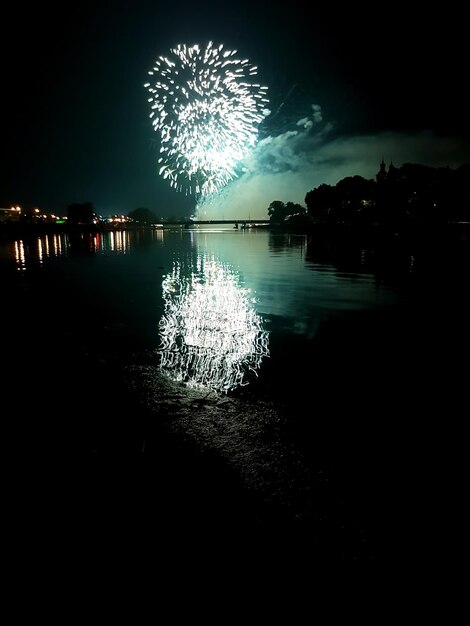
[[74, 127]]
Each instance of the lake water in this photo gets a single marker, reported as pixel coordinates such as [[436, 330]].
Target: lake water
[[250, 380]]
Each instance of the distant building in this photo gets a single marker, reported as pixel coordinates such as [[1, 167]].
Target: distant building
[[383, 176], [12, 214]]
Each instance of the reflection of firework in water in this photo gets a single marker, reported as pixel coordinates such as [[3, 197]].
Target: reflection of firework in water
[[206, 111], [211, 337]]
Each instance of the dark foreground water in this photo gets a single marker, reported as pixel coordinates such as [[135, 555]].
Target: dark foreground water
[[216, 391]]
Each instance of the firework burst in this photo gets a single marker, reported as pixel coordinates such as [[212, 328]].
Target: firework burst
[[206, 110]]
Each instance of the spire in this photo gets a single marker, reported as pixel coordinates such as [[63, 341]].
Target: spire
[[382, 173]]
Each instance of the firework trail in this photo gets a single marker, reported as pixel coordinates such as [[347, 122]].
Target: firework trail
[[206, 110]]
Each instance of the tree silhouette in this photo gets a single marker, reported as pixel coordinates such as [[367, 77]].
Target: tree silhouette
[[355, 195], [401, 199], [322, 203], [143, 216], [278, 211], [83, 213]]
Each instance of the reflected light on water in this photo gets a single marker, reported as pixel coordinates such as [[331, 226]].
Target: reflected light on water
[[40, 252], [19, 255], [28, 254], [59, 244], [211, 336], [34, 251], [117, 241]]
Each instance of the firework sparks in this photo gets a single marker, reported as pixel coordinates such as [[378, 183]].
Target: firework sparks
[[206, 110]]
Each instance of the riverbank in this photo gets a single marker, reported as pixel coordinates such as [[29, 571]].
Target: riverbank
[[365, 234], [16, 230]]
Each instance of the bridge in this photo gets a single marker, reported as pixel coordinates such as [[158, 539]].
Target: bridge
[[195, 222]]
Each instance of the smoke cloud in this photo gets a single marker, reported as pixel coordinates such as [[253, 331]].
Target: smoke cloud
[[286, 166]]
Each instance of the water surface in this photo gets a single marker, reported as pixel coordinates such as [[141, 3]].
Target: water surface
[[297, 376]]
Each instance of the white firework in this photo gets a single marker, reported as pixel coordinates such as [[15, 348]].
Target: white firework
[[206, 110]]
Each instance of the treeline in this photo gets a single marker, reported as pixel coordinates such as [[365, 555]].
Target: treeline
[[84, 213], [402, 197]]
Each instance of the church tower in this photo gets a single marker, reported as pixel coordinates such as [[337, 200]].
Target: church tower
[[381, 175]]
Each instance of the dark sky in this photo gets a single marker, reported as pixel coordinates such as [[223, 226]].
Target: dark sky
[[75, 126]]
